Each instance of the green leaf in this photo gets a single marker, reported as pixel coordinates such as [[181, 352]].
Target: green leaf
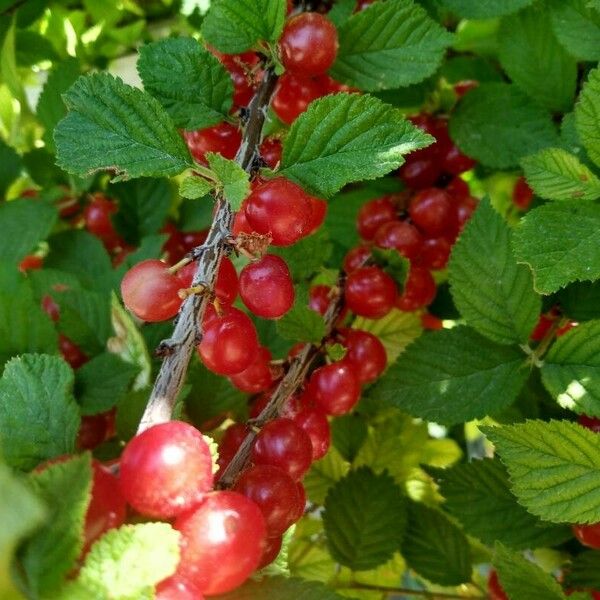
[[143, 207], [24, 223], [50, 108], [389, 45], [584, 571], [557, 455], [453, 375], [435, 547], [556, 174], [233, 26], [484, 9], [232, 179], [282, 588], [577, 26], [50, 554], [523, 580], [39, 163], [194, 187], [498, 125], [32, 48], [348, 434], [113, 126], [300, 323], [126, 561], [393, 263], [493, 293], [580, 300], [364, 519], [395, 331], [324, 474], [187, 80], [478, 495], [10, 166], [571, 369], [535, 61], [102, 382], [587, 110], [307, 256], [343, 138], [39, 418], [341, 11], [561, 243]]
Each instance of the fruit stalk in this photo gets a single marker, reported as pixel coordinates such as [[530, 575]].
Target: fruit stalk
[[177, 350]]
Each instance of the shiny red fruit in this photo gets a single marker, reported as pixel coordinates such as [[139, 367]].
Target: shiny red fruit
[[281, 209], [418, 173], [257, 377], [335, 388], [240, 222], [308, 44], [270, 151], [281, 443], [232, 439], [401, 236], [317, 214], [588, 535], [97, 217], [431, 322], [229, 342], [274, 492], [373, 214], [71, 352], [166, 469], [522, 194], [150, 291], [435, 253], [302, 501], [270, 551], [319, 298], [592, 423], [31, 263], [465, 208], [432, 212], [50, 307], [495, 590], [96, 429], [419, 290], [458, 188], [315, 424], [226, 285], [293, 95], [455, 162], [224, 138], [356, 258], [175, 588], [222, 544], [464, 86], [370, 292], [365, 353]]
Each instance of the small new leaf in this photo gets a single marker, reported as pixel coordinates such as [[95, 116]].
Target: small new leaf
[[344, 138], [335, 351], [556, 174], [233, 180], [113, 126], [194, 187], [187, 80], [560, 456]]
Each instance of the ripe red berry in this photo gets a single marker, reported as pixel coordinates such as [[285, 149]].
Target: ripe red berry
[[365, 353], [281, 209], [175, 588], [317, 214], [150, 291], [302, 501], [50, 307], [319, 298], [522, 194], [462, 87], [281, 443], [355, 258], [435, 253], [95, 429], [222, 542], [270, 151], [266, 287], [335, 388], [31, 263], [271, 551], [465, 208], [223, 138], [419, 290], [232, 439], [588, 535], [166, 469], [226, 285], [592, 423], [401, 236], [257, 377], [293, 95], [308, 44], [431, 211], [455, 162], [431, 322], [240, 222], [419, 172], [458, 188], [373, 214], [97, 217], [229, 342], [370, 292], [315, 424], [244, 74], [274, 492], [494, 588], [71, 352]]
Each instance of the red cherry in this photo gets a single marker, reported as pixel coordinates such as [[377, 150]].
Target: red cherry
[[166, 469], [462, 87], [435, 253], [150, 291], [319, 298], [308, 44], [292, 96], [466, 207], [245, 76], [31, 263], [240, 222], [95, 429], [314, 422], [543, 326], [259, 404], [50, 307], [175, 588], [458, 188], [281, 443], [97, 217], [266, 287], [356, 258], [271, 551], [71, 352], [418, 173], [301, 503], [365, 354], [431, 322], [455, 162], [226, 285], [335, 388], [592, 423], [588, 535], [223, 138], [317, 214], [193, 239], [229, 343], [373, 214], [274, 492], [431, 211], [419, 290], [401, 236], [495, 589], [270, 151], [257, 377], [370, 292], [522, 194], [222, 542], [232, 439], [281, 209]]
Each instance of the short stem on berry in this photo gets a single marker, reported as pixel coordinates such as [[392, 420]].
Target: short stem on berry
[[186, 260]]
